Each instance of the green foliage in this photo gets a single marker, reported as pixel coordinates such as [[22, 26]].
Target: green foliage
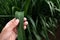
[[42, 16]]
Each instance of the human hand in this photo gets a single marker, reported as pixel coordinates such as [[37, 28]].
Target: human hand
[[9, 32]]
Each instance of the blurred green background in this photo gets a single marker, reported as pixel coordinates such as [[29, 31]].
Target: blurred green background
[[43, 16]]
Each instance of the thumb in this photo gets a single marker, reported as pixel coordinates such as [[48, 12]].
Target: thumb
[[11, 24]]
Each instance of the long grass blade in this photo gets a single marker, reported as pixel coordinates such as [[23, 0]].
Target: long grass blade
[[21, 33]]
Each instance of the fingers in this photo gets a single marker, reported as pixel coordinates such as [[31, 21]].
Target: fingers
[[11, 24], [7, 30], [25, 27], [25, 19], [25, 23]]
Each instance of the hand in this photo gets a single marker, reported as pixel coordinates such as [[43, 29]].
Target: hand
[[9, 32]]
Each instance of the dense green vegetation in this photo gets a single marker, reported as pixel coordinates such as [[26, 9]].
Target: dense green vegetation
[[42, 15]]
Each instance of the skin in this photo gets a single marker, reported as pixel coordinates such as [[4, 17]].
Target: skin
[[9, 32]]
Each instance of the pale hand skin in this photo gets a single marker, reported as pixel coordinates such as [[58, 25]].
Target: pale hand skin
[[9, 32]]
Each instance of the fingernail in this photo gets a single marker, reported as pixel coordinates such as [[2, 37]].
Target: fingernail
[[17, 20], [24, 27], [25, 19], [26, 22]]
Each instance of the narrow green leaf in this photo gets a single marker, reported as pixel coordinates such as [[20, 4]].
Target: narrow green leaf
[[44, 27], [51, 5], [20, 16], [51, 33], [26, 6]]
